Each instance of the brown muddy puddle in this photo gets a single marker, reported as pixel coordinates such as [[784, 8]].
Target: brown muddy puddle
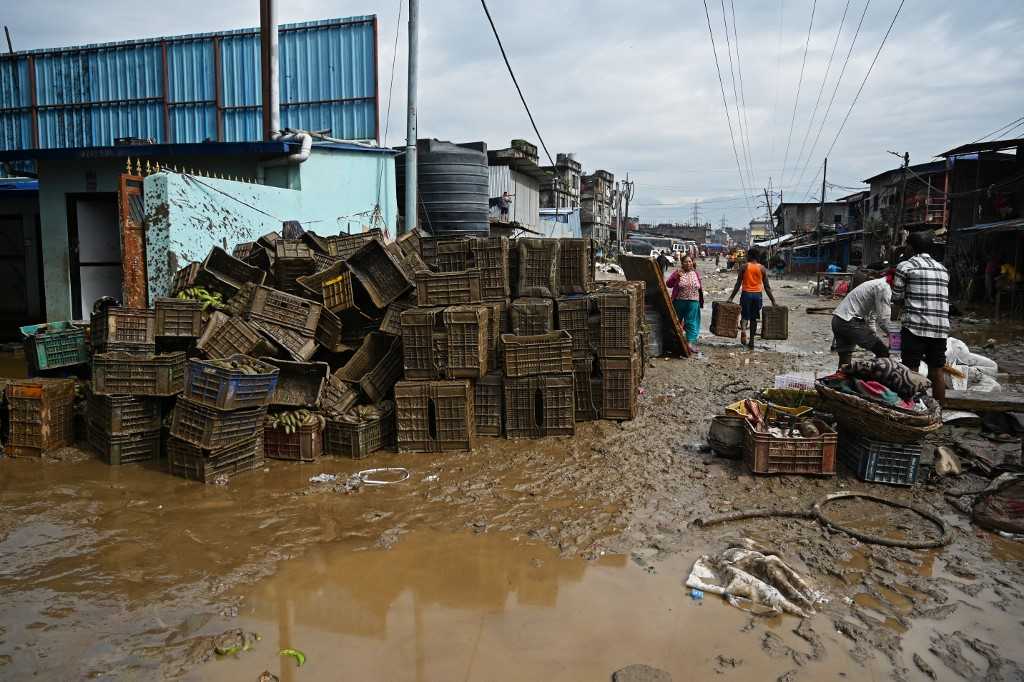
[[442, 606]]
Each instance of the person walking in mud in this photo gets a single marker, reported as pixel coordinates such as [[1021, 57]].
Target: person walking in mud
[[687, 299], [752, 277], [850, 321], [920, 294]]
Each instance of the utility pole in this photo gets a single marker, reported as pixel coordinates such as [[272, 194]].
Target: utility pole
[[411, 194], [628, 192], [821, 216], [771, 221], [897, 227]]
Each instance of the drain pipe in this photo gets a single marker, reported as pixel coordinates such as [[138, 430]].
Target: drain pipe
[[269, 69], [289, 135]]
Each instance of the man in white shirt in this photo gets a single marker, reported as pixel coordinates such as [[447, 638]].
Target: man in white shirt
[[850, 327]]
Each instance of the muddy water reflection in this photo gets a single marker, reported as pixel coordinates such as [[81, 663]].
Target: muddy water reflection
[[490, 607]]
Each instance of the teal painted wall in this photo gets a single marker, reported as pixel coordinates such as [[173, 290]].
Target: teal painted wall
[[187, 216]]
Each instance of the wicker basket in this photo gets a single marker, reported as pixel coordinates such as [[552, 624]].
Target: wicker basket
[[725, 319], [859, 415]]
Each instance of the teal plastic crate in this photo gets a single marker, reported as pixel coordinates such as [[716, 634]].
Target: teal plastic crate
[[54, 344]]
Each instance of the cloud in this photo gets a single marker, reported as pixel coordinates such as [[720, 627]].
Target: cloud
[[633, 87]]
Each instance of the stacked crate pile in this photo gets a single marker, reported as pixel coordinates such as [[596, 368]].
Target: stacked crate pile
[[129, 381], [619, 345], [575, 313]]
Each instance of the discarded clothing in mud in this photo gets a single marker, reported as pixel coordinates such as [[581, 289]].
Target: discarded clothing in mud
[[887, 371], [1001, 505], [749, 575]]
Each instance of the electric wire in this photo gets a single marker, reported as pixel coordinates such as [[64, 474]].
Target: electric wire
[[1003, 129], [740, 113], [821, 90], [778, 70], [832, 99], [515, 81], [725, 102], [860, 89], [387, 119], [796, 100]]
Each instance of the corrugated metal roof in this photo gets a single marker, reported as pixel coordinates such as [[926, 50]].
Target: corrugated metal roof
[[91, 94]]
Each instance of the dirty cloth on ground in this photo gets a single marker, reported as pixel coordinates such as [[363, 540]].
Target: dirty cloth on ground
[[905, 382], [754, 578]]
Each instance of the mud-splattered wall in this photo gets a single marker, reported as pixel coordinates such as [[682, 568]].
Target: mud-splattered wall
[[186, 215]]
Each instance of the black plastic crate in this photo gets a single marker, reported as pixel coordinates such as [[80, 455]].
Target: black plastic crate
[[448, 288], [226, 336], [531, 316], [377, 384], [299, 384], [489, 401], [208, 427], [467, 328], [178, 318], [338, 396], [149, 375], [420, 359], [574, 266], [876, 461], [188, 461], [123, 329], [536, 355], [125, 448], [573, 315], [226, 268], [305, 444], [287, 310], [382, 278], [299, 346], [490, 256], [117, 414], [538, 406], [357, 439], [538, 268]]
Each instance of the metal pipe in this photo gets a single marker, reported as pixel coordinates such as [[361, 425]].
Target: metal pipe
[[268, 61], [411, 195]]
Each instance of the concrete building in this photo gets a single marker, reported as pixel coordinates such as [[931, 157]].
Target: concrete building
[[596, 205], [802, 217], [515, 170], [924, 199], [83, 208], [760, 230], [562, 183]]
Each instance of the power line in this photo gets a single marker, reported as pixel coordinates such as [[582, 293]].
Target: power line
[[514, 81], [861, 88], [796, 100], [741, 114], [832, 99], [1003, 130], [391, 85], [821, 90], [778, 70], [725, 103]]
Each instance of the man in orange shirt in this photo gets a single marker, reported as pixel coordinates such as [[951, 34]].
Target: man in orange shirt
[[753, 278]]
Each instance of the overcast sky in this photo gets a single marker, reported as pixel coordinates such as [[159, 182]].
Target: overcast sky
[[633, 86]]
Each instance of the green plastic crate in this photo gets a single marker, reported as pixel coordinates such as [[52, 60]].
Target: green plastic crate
[[54, 344]]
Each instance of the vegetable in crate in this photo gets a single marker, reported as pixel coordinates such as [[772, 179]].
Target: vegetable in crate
[[210, 301], [292, 420]]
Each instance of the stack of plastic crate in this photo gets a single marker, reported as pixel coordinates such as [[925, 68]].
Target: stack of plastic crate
[[217, 423], [618, 343], [124, 429]]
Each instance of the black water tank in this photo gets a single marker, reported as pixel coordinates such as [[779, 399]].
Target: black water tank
[[453, 187]]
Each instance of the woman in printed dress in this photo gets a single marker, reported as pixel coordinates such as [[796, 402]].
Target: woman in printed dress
[[687, 296]]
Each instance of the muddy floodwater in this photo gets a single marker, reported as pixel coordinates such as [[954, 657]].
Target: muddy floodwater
[[557, 559]]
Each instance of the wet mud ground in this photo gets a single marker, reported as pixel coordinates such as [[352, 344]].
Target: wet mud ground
[[558, 559]]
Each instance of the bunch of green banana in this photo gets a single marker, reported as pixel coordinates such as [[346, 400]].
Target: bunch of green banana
[[292, 421], [210, 301]]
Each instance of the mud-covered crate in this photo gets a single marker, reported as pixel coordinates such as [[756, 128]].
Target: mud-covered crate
[[376, 384], [180, 318], [305, 444], [768, 454], [54, 345], [639, 289], [725, 319], [344, 245], [540, 406], [234, 271], [620, 379], [357, 439], [332, 286], [185, 278], [620, 312], [329, 333], [293, 259], [285, 309], [435, 416], [126, 327], [467, 328], [207, 427], [447, 288], [534, 355], [538, 268], [573, 315], [420, 360], [299, 384], [585, 405], [188, 461], [117, 414], [379, 273], [231, 383], [40, 414], [338, 396], [575, 260], [877, 461], [775, 322], [226, 336], [392, 322], [488, 404], [497, 324], [531, 316], [490, 256], [152, 375], [299, 345], [125, 448], [447, 254], [243, 250]]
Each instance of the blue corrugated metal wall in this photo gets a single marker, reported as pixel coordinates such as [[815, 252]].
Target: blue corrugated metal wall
[[88, 95]]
